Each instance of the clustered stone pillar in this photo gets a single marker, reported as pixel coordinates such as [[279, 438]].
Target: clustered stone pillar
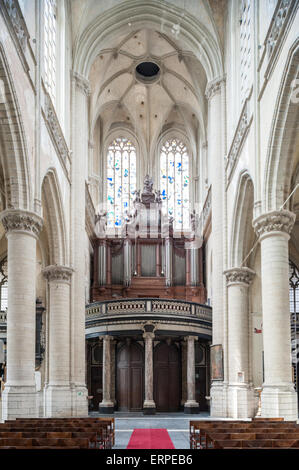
[[215, 90], [279, 398], [80, 94], [19, 395], [191, 405], [58, 393], [149, 406], [106, 406], [240, 392]]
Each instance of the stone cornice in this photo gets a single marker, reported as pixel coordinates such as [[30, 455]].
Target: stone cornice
[[81, 83], [214, 87], [239, 276], [275, 221], [58, 273], [15, 220]]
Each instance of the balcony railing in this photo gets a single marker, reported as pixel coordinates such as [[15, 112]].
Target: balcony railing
[[149, 306]]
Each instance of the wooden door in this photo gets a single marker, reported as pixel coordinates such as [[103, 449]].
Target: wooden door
[[166, 377], [129, 385]]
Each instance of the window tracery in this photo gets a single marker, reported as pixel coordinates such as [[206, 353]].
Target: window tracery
[[174, 182], [121, 180]]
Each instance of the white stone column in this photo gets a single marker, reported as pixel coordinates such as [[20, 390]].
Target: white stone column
[[240, 393], [127, 262], [19, 396], [191, 405], [149, 406], [216, 174], [106, 405], [278, 395], [58, 400], [80, 93]]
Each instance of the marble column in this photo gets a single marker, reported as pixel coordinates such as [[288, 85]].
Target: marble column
[[194, 267], [19, 395], [106, 406], [158, 260], [79, 142], [58, 402], [240, 392], [149, 406], [184, 372], [214, 92], [191, 405], [279, 398]]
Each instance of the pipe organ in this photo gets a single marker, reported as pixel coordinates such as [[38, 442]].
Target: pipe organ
[[147, 258]]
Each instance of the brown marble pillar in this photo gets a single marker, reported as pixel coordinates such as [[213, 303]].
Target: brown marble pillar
[[149, 406]]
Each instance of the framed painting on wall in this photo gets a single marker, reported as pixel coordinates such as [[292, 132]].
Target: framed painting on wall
[[217, 362]]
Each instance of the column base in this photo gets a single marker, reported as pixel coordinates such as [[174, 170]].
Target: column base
[[218, 400], [149, 407], [106, 407], [19, 402], [79, 401], [191, 407], [240, 402], [58, 401], [279, 402]]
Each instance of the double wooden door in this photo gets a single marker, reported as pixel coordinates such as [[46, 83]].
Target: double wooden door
[[167, 377], [130, 377]]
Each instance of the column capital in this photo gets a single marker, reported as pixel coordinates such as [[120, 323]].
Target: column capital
[[214, 86], [274, 221], [58, 273], [190, 338], [148, 335], [81, 83], [107, 338], [17, 220], [239, 276]]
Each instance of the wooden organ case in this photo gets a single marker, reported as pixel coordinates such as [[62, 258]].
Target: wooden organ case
[[147, 258]]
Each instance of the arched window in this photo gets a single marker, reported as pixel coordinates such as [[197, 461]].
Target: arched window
[[50, 26], [245, 49], [294, 310], [174, 182], [121, 179], [3, 285]]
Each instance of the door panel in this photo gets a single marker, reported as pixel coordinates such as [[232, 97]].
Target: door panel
[[166, 377], [129, 380]]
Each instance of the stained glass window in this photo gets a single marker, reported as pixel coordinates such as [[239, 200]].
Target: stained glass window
[[50, 47], [3, 285], [121, 180], [174, 182], [294, 310]]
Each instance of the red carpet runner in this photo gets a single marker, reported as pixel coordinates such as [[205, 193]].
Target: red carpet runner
[[150, 439]]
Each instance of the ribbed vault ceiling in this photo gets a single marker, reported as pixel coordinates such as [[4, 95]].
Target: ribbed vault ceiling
[[174, 100]]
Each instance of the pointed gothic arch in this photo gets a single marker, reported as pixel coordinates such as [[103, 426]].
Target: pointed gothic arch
[[13, 155]]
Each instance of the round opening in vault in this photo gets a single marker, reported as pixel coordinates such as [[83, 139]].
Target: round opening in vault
[[147, 69], [147, 72]]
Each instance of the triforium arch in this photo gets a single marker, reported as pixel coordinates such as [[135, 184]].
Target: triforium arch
[[54, 218], [13, 152], [135, 14], [283, 137], [242, 235]]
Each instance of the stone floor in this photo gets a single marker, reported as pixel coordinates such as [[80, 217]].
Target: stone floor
[[177, 425]]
